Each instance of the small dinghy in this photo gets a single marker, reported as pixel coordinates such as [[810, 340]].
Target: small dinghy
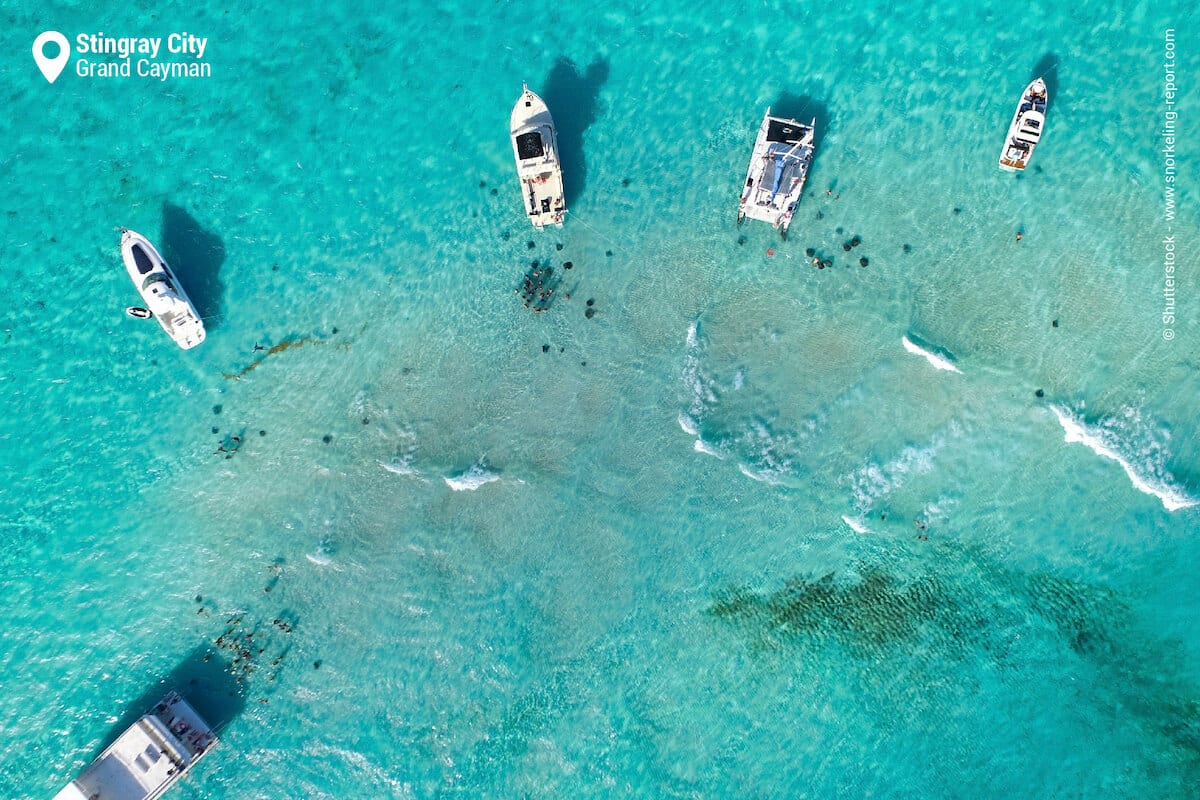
[[535, 145], [779, 166], [137, 312], [1026, 129], [164, 298]]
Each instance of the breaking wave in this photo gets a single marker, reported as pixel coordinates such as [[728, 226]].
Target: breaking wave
[[320, 558], [937, 360], [1113, 438], [475, 476], [856, 525], [872, 482], [763, 453], [688, 425], [700, 387]]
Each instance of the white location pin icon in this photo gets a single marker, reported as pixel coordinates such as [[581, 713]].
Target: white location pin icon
[[51, 67]]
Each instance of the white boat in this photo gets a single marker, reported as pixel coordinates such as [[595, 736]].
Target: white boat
[[148, 758], [535, 145], [1026, 128], [779, 166], [160, 290]]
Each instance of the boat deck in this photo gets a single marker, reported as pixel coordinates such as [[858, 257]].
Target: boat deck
[[148, 757], [171, 310], [160, 290], [1026, 128], [541, 176], [535, 146], [778, 169], [782, 171]]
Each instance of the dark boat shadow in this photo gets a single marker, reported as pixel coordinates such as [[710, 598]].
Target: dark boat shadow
[[204, 680], [573, 98], [804, 108], [1047, 69], [195, 256]]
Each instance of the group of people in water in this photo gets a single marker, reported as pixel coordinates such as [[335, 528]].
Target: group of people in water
[[539, 284]]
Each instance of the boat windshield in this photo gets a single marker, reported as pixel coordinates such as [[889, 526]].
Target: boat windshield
[[142, 259], [529, 145], [156, 278]]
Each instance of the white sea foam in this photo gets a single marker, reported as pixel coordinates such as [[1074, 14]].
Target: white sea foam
[[938, 361], [699, 385], [856, 525], [939, 509], [358, 406], [323, 555], [763, 476], [1103, 441], [688, 424], [475, 476], [763, 454], [405, 442], [400, 468], [874, 481]]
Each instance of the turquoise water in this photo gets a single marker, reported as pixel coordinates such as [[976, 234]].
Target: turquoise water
[[675, 554]]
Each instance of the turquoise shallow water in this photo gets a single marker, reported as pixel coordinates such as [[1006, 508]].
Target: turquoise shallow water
[[675, 554]]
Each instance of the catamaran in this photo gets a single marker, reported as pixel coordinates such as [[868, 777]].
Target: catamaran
[[160, 290], [148, 758], [1026, 128], [779, 166], [535, 144]]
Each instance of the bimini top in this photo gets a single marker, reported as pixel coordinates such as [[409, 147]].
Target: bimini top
[[535, 146], [160, 290]]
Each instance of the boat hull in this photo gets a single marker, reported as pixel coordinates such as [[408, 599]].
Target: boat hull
[[539, 169], [160, 291], [150, 757], [779, 166], [1025, 130]]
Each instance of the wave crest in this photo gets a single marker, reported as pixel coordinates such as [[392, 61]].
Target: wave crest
[[763, 453], [1111, 439], [937, 360], [471, 479]]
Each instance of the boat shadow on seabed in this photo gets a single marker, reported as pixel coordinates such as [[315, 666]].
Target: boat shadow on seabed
[[204, 679], [195, 256], [803, 108], [573, 97]]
